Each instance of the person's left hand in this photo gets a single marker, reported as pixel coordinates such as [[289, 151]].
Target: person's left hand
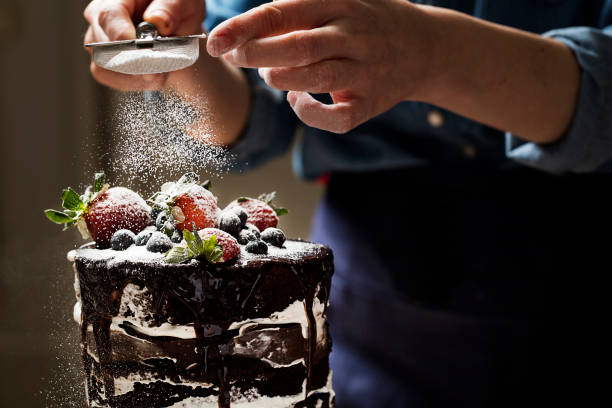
[[368, 55]]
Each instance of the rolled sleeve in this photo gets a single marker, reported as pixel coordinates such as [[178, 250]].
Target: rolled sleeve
[[271, 127], [587, 145]]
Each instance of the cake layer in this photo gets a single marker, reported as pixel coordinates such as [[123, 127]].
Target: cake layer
[[238, 333]]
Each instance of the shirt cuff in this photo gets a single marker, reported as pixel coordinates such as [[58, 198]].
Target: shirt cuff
[[587, 145]]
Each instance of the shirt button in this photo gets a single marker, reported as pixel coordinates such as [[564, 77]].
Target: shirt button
[[435, 118], [470, 151]]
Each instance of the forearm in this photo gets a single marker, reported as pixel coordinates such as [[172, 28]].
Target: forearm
[[503, 77], [220, 91]]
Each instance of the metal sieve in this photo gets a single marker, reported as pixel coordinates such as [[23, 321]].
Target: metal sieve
[[149, 53]]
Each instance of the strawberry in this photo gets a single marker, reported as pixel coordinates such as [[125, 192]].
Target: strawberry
[[197, 205], [186, 202], [117, 208], [210, 244], [260, 211], [101, 211], [229, 243]]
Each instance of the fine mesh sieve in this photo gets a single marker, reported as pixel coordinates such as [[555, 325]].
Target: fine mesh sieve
[[149, 53]]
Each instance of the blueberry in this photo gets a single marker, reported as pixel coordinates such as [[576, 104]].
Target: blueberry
[[161, 219], [143, 237], [252, 228], [122, 239], [239, 211], [257, 247], [230, 223], [159, 242], [155, 212], [273, 236], [245, 236], [168, 228], [176, 237]]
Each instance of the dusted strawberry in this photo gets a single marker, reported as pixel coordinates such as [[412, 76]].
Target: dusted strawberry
[[209, 244], [260, 211], [101, 211], [197, 205], [186, 202], [229, 243], [117, 208]]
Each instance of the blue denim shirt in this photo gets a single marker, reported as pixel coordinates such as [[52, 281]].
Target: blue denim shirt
[[416, 134]]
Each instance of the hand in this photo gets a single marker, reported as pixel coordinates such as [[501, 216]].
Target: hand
[[112, 20], [367, 54]]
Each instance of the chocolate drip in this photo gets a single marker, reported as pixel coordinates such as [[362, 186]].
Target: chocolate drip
[[101, 329], [211, 298]]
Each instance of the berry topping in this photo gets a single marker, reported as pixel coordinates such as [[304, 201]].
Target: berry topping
[[259, 211], [117, 208], [162, 218], [101, 211], [246, 235], [257, 247], [176, 237], [143, 237], [210, 244], [186, 202], [241, 214], [273, 236], [230, 223], [252, 228], [229, 243], [158, 242], [122, 240]]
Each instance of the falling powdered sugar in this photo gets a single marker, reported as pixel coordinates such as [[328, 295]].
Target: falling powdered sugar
[[160, 135]]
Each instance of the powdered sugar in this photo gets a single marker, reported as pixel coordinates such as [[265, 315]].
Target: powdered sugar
[[160, 136], [149, 61]]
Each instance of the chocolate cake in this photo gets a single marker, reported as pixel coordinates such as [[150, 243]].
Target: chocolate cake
[[246, 333]]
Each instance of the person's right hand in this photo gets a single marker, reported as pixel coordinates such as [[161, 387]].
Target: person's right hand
[[113, 20]]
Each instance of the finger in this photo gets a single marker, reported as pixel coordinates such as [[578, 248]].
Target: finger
[[322, 77], [167, 16], [270, 19], [338, 118], [294, 49], [125, 82], [115, 19]]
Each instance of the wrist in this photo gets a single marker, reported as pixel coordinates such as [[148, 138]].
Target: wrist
[[435, 61]]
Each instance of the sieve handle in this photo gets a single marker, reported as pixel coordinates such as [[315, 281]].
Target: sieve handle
[[146, 33]]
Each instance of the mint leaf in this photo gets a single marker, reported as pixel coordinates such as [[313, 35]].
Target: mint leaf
[[190, 239], [267, 198], [71, 200], [58, 217], [178, 254], [99, 180], [209, 246], [280, 211], [197, 240], [216, 254], [242, 199]]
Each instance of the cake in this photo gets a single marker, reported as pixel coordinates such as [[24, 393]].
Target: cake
[[237, 319]]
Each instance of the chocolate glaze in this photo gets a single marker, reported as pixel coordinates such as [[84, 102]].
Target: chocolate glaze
[[208, 297]]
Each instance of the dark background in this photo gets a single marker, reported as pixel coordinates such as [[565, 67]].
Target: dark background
[[53, 132]]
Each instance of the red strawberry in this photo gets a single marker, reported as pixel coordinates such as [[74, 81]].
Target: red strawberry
[[102, 211], [116, 208], [197, 205], [229, 243], [259, 213]]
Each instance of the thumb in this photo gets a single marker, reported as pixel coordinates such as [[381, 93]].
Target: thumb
[[169, 16]]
